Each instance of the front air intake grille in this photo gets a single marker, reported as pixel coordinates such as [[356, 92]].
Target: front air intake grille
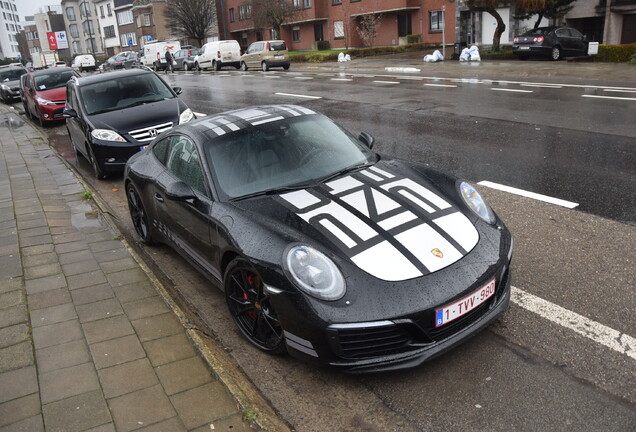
[[365, 342], [149, 133]]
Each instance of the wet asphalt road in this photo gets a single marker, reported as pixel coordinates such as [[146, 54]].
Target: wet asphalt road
[[524, 372]]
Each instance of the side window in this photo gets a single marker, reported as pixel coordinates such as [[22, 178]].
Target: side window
[[575, 33], [70, 103], [160, 150], [183, 162], [563, 33]]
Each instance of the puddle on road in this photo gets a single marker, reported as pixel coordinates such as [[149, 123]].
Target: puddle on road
[[85, 216], [62, 145], [12, 121]]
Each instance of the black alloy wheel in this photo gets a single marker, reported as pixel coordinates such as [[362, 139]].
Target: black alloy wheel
[[251, 308], [139, 216], [556, 53]]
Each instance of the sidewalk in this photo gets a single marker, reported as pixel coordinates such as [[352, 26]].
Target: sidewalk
[[86, 342]]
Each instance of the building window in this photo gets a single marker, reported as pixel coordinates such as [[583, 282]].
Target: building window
[[248, 11], [296, 4], [147, 19], [436, 21], [241, 12], [90, 43], [273, 34], [296, 34], [101, 12], [338, 30], [244, 39], [73, 29], [231, 14], [336, 2], [88, 28], [70, 13], [109, 31], [109, 10], [125, 17], [124, 39], [85, 9], [307, 4], [77, 48]]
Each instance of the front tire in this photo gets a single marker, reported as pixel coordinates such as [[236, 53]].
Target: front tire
[[556, 53], [243, 66], [155, 67], [185, 67], [139, 216], [216, 66], [251, 308], [97, 170], [264, 67]]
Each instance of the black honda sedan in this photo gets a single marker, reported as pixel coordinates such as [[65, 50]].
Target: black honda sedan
[[551, 42], [112, 116], [324, 248]]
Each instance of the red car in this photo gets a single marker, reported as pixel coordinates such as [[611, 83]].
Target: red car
[[44, 93]]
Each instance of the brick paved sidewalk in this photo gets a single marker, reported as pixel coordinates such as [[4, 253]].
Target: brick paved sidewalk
[[86, 343]]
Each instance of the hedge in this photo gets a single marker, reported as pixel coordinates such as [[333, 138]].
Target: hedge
[[615, 53]]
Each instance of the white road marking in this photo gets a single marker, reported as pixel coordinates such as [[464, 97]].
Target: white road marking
[[272, 76], [595, 331], [299, 95], [619, 91], [556, 86], [341, 79], [527, 194], [440, 85], [609, 97], [511, 90], [386, 82], [303, 78]]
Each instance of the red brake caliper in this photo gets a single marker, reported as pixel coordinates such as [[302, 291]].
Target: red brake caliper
[[250, 280]]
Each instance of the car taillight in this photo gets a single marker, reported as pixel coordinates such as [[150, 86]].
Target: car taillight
[[218, 54], [188, 53], [538, 39], [516, 40], [267, 46]]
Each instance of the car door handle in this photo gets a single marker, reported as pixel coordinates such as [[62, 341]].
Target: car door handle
[[158, 197]]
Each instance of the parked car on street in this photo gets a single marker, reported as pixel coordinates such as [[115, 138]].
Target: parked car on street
[[44, 93], [265, 55], [123, 60], [155, 53], [323, 248], [10, 83], [112, 116], [185, 58], [554, 43], [84, 62], [60, 64], [215, 55]]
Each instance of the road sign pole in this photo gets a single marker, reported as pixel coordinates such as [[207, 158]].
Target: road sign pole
[[444, 31]]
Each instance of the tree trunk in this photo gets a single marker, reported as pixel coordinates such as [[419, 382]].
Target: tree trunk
[[538, 21], [501, 27]]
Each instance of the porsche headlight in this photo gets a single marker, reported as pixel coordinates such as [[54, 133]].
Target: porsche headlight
[[186, 116], [476, 203], [107, 135], [42, 101], [314, 273]]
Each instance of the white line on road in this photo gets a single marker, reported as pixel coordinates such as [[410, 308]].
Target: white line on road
[[341, 79], [511, 90], [272, 76], [386, 82], [527, 194], [441, 85], [303, 78], [619, 91], [299, 95], [595, 331], [556, 86], [609, 97]]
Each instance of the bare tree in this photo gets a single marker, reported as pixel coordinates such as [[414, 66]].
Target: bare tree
[[272, 13], [553, 9], [368, 28], [192, 19], [490, 6]]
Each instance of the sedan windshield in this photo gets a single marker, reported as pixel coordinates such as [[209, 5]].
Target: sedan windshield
[[11, 74], [123, 92], [283, 154], [53, 80]]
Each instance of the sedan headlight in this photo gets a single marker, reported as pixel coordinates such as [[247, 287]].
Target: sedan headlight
[[476, 203], [186, 116], [314, 273], [42, 101], [107, 135], [5, 88]]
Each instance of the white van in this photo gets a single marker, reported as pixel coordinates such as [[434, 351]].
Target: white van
[[217, 54], [155, 53], [84, 62]]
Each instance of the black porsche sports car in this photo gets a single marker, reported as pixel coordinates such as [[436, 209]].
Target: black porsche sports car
[[325, 249]]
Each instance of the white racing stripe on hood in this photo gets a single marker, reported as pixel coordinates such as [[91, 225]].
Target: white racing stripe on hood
[[382, 202], [385, 262], [355, 224], [420, 190], [460, 229], [421, 240]]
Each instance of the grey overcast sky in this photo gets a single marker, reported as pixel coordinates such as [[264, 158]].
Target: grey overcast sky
[[31, 7]]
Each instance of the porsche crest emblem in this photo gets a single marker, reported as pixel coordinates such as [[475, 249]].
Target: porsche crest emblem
[[438, 253]]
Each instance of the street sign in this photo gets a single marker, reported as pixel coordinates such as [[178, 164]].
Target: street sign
[[52, 40], [130, 41], [62, 41], [149, 38]]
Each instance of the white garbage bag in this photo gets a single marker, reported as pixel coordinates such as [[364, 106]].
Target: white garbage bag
[[437, 56], [465, 55], [343, 58], [474, 53], [347, 57], [428, 58]]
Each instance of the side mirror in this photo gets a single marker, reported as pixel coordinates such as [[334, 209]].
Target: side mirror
[[69, 112], [179, 191], [366, 139], [177, 90]]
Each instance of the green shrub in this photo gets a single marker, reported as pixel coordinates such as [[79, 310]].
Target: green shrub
[[615, 53], [322, 45], [413, 38], [632, 60]]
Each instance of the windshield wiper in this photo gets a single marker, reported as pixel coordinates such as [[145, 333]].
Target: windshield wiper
[[134, 104], [346, 170], [274, 191]]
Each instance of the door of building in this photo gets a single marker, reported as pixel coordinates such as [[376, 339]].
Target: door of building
[[318, 35], [404, 24]]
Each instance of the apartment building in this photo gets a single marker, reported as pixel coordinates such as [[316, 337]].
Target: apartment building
[[9, 28], [83, 31], [108, 29]]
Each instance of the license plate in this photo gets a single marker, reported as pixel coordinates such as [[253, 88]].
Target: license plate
[[278, 56], [465, 305], [524, 48]]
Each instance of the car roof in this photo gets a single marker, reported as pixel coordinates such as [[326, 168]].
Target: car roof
[[216, 125], [108, 76], [53, 70]]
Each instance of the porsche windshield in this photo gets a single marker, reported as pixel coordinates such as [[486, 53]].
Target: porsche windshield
[[53, 80], [123, 92], [283, 154]]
